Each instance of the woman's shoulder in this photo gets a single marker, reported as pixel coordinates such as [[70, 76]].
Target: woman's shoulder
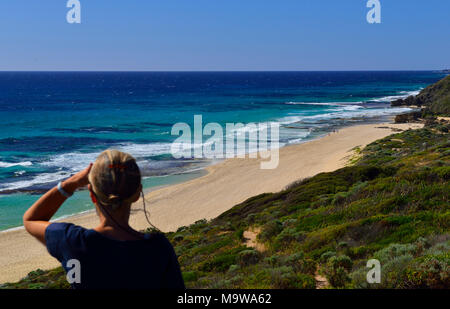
[[68, 232], [158, 238], [61, 238], [64, 228]]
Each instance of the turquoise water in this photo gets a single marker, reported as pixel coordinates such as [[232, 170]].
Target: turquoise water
[[54, 124], [78, 203]]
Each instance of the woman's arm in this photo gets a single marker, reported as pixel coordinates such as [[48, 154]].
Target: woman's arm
[[36, 218]]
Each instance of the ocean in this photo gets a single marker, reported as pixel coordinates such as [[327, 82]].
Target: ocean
[[53, 124]]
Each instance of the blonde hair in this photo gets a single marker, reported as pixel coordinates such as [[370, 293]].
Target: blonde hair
[[115, 179]]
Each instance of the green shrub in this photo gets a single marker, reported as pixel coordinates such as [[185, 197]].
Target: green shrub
[[287, 235], [443, 172], [338, 277], [326, 256], [431, 272], [342, 245], [394, 250], [340, 261], [249, 257], [178, 238], [219, 263], [182, 229], [233, 268], [270, 230], [337, 270], [340, 198], [284, 277], [399, 268], [392, 271], [272, 260], [239, 234], [189, 276], [299, 263], [35, 286]]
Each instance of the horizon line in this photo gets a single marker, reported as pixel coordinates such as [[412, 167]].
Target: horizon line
[[210, 71]]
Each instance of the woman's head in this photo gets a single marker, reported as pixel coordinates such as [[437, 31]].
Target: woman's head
[[115, 179]]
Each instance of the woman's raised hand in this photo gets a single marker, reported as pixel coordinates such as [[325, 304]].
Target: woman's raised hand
[[78, 180]]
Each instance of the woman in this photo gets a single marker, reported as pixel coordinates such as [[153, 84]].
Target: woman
[[112, 255]]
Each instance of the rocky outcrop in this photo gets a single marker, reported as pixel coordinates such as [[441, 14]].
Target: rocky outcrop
[[409, 117], [409, 101], [435, 98]]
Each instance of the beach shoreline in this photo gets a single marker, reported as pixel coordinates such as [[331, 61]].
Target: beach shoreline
[[227, 183], [198, 172]]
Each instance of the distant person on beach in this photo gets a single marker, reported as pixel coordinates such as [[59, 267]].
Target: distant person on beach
[[112, 255]]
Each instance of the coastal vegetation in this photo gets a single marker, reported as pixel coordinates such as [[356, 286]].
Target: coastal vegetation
[[435, 99], [391, 203]]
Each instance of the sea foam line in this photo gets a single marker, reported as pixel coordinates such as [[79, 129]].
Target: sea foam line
[[401, 95], [8, 164]]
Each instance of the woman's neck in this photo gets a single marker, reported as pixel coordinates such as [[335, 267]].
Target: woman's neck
[[114, 224], [118, 233], [119, 229]]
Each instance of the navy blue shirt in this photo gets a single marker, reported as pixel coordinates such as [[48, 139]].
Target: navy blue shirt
[[108, 263]]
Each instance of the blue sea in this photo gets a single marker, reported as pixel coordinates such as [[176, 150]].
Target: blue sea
[[52, 124]]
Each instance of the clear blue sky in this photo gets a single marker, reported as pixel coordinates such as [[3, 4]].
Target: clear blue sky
[[224, 35]]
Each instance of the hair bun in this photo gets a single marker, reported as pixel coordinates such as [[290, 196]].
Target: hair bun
[[115, 178], [114, 200]]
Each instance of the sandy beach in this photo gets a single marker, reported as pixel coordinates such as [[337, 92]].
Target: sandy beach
[[227, 183]]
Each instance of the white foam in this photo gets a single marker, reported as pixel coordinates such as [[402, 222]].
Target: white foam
[[351, 107], [346, 114], [76, 161], [145, 150], [7, 164], [401, 95], [324, 103], [310, 103], [39, 179], [336, 112], [297, 140]]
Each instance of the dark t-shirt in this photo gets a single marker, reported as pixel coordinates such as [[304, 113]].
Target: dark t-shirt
[[107, 263]]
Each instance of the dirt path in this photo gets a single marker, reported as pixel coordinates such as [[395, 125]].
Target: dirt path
[[251, 241], [250, 237], [321, 281]]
